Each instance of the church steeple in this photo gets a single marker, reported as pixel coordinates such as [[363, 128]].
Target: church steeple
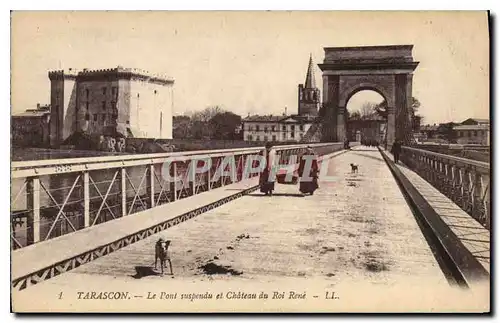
[[309, 93], [310, 79]]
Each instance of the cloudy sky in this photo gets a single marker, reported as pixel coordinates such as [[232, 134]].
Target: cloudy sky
[[252, 62]]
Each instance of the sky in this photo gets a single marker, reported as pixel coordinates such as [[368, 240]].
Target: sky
[[252, 62]]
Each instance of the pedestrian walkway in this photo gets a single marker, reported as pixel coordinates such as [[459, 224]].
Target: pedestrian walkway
[[356, 227], [470, 232]]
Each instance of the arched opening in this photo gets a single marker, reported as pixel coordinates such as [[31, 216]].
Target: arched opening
[[366, 118]]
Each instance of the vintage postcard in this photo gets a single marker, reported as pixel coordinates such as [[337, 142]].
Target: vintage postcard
[[250, 161]]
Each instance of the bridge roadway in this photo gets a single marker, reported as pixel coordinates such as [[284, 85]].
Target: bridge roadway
[[355, 229]]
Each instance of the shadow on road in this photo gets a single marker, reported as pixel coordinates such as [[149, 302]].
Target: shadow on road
[[144, 271], [277, 194]]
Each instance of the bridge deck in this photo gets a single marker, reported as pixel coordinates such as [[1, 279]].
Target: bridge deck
[[43, 254], [357, 227]]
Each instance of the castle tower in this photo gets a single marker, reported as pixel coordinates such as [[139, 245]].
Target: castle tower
[[110, 102], [63, 105], [309, 93]]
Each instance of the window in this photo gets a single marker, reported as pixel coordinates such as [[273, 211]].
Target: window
[[301, 135], [87, 105], [114, 91], [257, 129], [266, 138], [301, 127], [87, 93], [265, 129], [292, 134], [475, 133], [258, 138], [249, 137], [284, 128], [293, 127], [103, 117], [95, 117], [274, 137], [273, 128], [87, 117], [103, 91], [104, 105], [284, 136], [113, 104]]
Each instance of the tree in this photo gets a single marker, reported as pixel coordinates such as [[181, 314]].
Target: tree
[[199, 126], [356, 115], [367, 110], [417, 121], [206, 114], [211, 123], [445, 131], [224, 125], [200, 130], [414, 105], [181, 127], [381, 109]]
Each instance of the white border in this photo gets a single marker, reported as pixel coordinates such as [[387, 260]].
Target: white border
[[182, 5]]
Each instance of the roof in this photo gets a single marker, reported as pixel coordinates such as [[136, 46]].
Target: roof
[[477, 120], [472, 127], [363, 48], [37, 113], [310, 80], [429, 128], [281, 118], [266, 118], [119, 70]]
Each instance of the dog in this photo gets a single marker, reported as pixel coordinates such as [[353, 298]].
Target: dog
[[354, 168], [161, 253]]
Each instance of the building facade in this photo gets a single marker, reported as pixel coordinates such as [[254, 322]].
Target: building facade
[[32, 127], [276, 128], [429, 131], [372, 129], [287, 128], [473, 132], [129, 102]]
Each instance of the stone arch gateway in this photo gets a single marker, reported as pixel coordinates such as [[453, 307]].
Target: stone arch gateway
[[387, 70]]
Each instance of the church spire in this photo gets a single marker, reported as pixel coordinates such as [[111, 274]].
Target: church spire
[[310, 81]]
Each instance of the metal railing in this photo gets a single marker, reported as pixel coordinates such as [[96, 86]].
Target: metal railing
[[466, 182], [50, 198]]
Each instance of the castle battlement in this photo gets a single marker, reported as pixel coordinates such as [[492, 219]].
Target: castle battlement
[[63, 73], [118, 71]]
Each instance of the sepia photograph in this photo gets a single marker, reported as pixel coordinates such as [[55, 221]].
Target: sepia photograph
[[250, 162]]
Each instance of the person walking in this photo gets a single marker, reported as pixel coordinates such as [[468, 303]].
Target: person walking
[[396, 150], [266, 182], [346, 144], [308, 172]]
